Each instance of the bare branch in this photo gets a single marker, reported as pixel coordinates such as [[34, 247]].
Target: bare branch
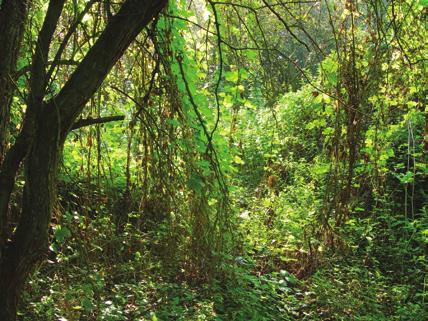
[[92, 121]]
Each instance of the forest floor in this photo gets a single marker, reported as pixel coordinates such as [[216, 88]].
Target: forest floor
[[97, 272]]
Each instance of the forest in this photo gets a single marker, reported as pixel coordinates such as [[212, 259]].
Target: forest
[[221, 160]]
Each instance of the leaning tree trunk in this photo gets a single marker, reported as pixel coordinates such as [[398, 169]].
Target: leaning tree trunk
[[43, 137]]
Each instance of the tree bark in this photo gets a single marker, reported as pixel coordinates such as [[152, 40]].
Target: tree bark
[[13, 14], [16, 154], [42, 145], [30, 241]]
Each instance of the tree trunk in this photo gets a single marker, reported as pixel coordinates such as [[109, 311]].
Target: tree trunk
[[13, 14], [16, 153], [30, 240]]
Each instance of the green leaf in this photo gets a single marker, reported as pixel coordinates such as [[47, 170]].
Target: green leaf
[[232, 76], [61, 233], [251, 54], [238, 160], [195, 183], [406, 178], [329, 67], [87, 304]]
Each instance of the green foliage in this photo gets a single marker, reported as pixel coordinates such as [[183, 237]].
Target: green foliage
[[353, 292], [289, 186]]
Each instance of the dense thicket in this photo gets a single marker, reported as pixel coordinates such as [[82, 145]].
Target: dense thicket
[[213, 160]]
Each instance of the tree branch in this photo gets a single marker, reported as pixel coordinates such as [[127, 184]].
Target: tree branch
[[27, 68], [92, 121], [122, 29]]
